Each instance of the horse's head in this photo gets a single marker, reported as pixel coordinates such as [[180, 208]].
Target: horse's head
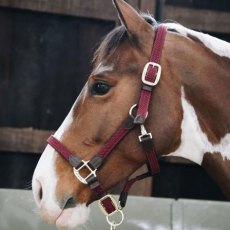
[[112, 88]]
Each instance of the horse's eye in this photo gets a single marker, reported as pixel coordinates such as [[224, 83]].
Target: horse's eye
[[100, 88]]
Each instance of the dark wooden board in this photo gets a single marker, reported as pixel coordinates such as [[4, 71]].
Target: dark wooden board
[[26, 140], [44, 63], [99, 9], [223, 5], [201, 20]]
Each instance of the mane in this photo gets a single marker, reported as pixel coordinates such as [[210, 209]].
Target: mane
[[220, 47], [116, 37], [119, 35]]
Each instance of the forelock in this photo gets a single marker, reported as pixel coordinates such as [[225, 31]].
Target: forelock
[[116, 37]]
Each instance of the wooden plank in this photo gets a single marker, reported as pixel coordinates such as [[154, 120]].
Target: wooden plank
[[148, 6], [103, 9], [204, 20], [5, 63], [29, 140], [100, 9], [26, 140], [134, 3]]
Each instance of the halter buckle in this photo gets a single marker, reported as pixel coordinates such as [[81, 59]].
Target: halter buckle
[[158, 74], [82, 179], [111, 210]]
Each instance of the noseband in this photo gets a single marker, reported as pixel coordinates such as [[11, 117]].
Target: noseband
[[150, 77]]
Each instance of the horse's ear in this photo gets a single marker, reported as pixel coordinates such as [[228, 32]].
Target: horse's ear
[[135, 24]]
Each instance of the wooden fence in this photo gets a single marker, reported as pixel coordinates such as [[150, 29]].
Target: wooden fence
[[202, 19], [15, 138], [199, 19]]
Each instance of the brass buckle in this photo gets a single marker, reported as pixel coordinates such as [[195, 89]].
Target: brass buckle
[[82, 179], [158, 75], [116, 212]]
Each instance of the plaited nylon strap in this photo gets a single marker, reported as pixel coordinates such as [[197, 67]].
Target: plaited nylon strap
[[114, 140], [97, 160], [150, 76], [124, 129], [60, 148]]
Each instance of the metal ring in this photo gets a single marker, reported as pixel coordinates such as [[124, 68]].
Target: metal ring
[[113, 223], [131, 110]]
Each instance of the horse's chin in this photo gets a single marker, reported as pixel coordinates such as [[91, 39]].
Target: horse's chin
[[73, 217]]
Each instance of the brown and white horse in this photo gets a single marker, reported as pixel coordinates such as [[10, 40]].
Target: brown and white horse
[[189, 113]]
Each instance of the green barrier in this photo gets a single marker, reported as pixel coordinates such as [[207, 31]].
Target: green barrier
[[18, 212]]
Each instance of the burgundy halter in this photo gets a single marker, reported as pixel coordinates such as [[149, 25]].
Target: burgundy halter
[[150, 77]]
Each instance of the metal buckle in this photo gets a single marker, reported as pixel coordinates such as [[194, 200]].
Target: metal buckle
[[117, 211], [158, 75], [144, 134], [76, 172]]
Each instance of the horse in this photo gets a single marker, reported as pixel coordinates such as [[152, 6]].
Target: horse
[[189, 114]]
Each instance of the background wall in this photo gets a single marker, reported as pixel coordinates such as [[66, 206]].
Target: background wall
[[45, 54]]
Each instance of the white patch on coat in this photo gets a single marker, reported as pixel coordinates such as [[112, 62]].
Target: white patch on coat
[[218, 46], [45, 176], [45, 170], [194, 142], [101, 68]]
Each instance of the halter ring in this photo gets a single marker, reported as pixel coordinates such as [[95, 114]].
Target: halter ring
[[131, 111], [110, 208], [112, 222]]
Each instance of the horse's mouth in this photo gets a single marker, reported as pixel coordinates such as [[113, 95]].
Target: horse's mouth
[[73, 217]]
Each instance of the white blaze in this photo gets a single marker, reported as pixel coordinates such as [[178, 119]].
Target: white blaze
[[101, 68], [45, 175]]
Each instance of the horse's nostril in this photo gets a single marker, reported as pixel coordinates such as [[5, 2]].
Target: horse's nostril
[[40, 193], [70, 202], [37, 187]]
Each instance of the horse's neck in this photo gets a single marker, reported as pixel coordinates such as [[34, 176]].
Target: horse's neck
[[205, 82], [219, 171], [207, 90], [205, 137]]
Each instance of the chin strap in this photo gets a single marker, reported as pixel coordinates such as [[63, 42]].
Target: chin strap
[[113, 210]]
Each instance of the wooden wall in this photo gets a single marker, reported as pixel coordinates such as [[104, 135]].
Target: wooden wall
[[45, 53], [44, 62]]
